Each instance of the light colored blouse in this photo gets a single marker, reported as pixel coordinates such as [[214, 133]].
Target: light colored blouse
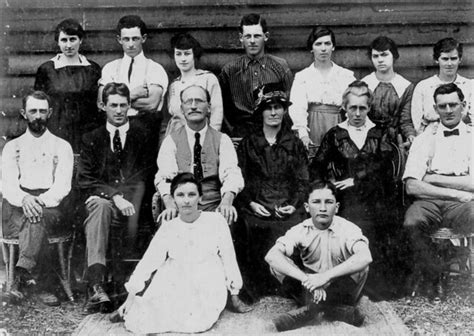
[[310, 86]]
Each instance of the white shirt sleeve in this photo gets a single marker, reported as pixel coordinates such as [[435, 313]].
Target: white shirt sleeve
[[62, 177], [230, 174], [417, 107], [217, 108], [299, 109], [10, 176], [167, 166]]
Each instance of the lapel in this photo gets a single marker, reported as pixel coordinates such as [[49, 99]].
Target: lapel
[[130, 151]]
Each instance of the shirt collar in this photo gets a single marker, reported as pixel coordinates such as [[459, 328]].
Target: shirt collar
[[59, 61], [461, 127], [30, 136], [122, 129], [334, 227], [261, 60], [140, 57], [398, 82], [368, 125], [190, 133]]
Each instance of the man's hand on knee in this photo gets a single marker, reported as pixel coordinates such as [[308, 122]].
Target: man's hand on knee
[[125, 207], [33, 208]]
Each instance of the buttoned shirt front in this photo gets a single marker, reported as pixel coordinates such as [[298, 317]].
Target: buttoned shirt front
[[123, 129], [145, 72], [433, 152], [30, 162], [322, 250], [229, 171]]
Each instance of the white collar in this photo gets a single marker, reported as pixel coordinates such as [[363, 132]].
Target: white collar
[[29, 136], [122, 129], [59, 62], [138, 58], [399, 83], [190, 133], [368, 124]]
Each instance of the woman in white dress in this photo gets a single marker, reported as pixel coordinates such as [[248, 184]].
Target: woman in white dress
[[192, 266], [317, 90], [187, 51]]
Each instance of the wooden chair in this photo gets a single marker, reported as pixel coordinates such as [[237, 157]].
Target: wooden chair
[[10, 246], [464, 253]]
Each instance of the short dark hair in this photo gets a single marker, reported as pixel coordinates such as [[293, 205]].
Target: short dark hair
[[208, 95], [317, 32], [383, 43], [70, 27], [183, 178], [37, 94], [447, 89], [321, 184], [186, 41], [131, 21], [447, 44], [253, 19], [120, 89], [358, 88]]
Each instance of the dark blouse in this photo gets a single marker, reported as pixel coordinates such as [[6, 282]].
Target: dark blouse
[[274, 175], [339, 158], [73, 90]]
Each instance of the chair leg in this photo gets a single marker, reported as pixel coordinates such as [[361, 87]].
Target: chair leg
[[11, 267], [64, 278], [470, 244]]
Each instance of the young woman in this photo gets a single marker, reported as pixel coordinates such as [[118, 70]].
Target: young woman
[[187, 51], [317, 90], [391, 106], [193, 261], [274, 165], [70, 80], [447, 54]]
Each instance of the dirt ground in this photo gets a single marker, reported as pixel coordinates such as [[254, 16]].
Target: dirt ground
[[422, 317]]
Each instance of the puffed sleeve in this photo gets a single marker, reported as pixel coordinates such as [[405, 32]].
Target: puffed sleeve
[[227, 254]]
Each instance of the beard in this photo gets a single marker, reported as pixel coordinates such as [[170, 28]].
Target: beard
[[37, 126]]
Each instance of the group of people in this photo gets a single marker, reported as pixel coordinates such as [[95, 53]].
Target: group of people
[[297, 174]]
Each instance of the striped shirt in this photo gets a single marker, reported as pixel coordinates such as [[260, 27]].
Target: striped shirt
[[240, 78]]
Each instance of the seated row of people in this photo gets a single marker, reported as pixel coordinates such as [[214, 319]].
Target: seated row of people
[[113, 169]]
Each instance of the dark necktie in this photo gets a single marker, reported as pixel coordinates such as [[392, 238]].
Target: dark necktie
[[130, 70], [197, 157], [117, 144], [449, 133]]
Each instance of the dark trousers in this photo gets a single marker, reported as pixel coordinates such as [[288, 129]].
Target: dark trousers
[[426, 216], [32, 237]]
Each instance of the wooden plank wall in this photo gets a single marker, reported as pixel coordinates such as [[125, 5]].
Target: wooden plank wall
[[26, 38]]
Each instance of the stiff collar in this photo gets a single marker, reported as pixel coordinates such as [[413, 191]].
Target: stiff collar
[[139, 58], [190, 133], [461, 127], [122, 129], [60, 61], [28, 135]]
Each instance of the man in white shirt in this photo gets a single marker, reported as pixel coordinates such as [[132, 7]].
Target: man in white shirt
[[438, 174], [203, 151], [37, 172], [146, 79]]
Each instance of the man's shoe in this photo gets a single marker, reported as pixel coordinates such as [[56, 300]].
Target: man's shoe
[[296, 318], [98, 301], [49, 299], [344, 313], [15, 292]]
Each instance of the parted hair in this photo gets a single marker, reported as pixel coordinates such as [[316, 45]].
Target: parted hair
[[447, 89], [383, 43], [37, 94], [185, 41], [447, 44], [120, 89], [132, 21], [183, 178], [320, 184], [69, 27], [317, 32], [358, 88]]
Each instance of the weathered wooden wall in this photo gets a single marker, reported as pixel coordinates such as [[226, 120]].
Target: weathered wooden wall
[[26, 39]]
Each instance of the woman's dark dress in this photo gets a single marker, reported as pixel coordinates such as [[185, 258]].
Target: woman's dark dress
[[275, 175], [73, 90]]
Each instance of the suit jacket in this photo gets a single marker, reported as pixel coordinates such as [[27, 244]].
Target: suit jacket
[[95, 178]]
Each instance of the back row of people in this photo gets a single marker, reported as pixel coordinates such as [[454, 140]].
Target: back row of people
[[75, 83]]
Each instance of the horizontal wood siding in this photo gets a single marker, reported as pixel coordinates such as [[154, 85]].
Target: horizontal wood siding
[[27, 40]]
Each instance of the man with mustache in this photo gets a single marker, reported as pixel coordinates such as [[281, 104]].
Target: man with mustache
[[203, 151], [37, 172]]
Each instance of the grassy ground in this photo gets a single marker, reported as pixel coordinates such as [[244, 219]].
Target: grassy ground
[[453, 316]]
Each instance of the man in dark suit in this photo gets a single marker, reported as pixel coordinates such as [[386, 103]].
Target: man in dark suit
[[112, 172]]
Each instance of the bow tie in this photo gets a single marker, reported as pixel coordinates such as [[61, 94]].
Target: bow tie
[[449, 133]]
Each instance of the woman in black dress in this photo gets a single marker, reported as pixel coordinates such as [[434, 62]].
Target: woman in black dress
[[274, 165], [70, 79]]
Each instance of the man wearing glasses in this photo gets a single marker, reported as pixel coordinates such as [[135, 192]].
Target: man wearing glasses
[[203, 151], [242, 76], [438, 174]]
